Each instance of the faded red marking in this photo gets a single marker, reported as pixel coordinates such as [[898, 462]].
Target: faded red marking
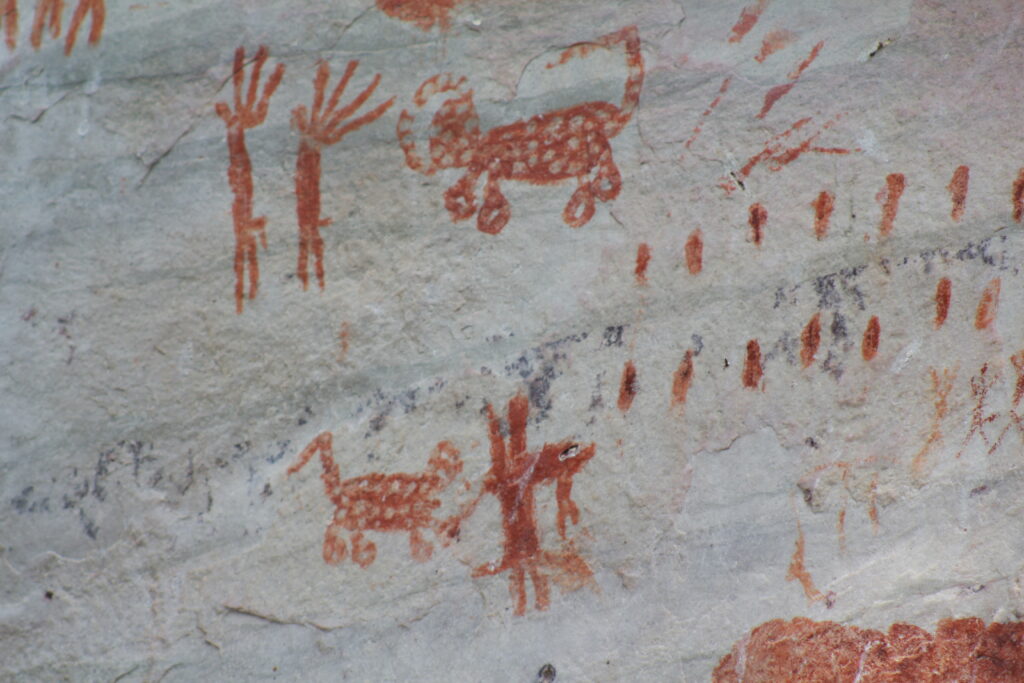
[[958, 191], [779, 91], [943, 294], [841, 529], [318, 128], [248, 113], [798, 572], [986, 313], [872, 335], [643, 258], [809, 340], [748, 17], [823, 207], [827, 652], [873, 505], [776, 155], [681, 379], [758, 219], [752, 370], [1018, 196], [627, 386], [773, 42], [9, 19], [707, 112], [343, 341], [941, 387], [1014, 414], [48, 15], [981, 384], [381, 502], [512, 478], [889, 198], [695, 252], [569, 144], [424, 13]]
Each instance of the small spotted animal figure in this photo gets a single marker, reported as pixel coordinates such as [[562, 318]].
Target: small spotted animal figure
[[381, 502], [572, 143]]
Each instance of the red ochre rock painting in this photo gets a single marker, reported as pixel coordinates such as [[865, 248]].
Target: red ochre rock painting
[[318, 128], [987, 305], [810, 338], [1014, 417], [707, 112], [627, 386], [643, 259], [773, 42], [758, 219], [826, 652], [752, 365], [748, 17], [695, 252], [681, 380], [9, 20], [797, 571], [49, 14], [823, 207], [942, 385], [400, 502], [958, 191], [778, 92], [872, 336], [424, 13], [981, 384], [943, 294], [248, 112], [1018, 196], [572, 143], [514, 474], [889, 198]]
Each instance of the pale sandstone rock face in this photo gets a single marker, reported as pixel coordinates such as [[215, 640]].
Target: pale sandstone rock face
[[450, 339]]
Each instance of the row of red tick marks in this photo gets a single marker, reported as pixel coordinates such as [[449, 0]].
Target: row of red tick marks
[[320, 126], [49, 14]]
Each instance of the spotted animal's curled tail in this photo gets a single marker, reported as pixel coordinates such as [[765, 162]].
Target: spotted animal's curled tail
[[406, 135]]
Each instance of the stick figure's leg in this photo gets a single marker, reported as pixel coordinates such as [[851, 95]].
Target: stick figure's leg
[[419, 547], [580, 208], [335, 549], [239, 274], [364, 552], [517, 589], [541, 589], [495, 212], [318, 254], [254, 267], [303, 267]]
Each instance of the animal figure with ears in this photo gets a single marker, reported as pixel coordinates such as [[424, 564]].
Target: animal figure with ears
[[572, 143]]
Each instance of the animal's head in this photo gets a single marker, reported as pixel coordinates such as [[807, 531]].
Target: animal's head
[[445, 461], [454, 130]]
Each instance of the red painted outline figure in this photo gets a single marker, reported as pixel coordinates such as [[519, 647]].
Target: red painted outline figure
[[248, 113], [397, 502], [564, 144], [48, 12], [513, 476], [318, 128]]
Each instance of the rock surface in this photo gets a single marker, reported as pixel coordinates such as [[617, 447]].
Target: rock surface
[[503, 340]]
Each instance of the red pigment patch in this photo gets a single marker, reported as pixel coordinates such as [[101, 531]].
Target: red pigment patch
[[776, 93], [889, 198], [802, 66], [872, 336], [707, 112], [773, 42], [748, 17], [423, 13], [958, 191], [798, 572], [1018, 196], [810, 338], [343, 340], [823, 207], [943, 294], [643, 258], [9, 18], [627, 386], [752, 366], [826, 652], [695, 252], [986, 313], [941, 387], [758, 218], [777, 152], [681, 380]]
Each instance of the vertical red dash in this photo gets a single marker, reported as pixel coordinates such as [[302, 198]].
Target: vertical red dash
[[643, 257], [695, 252], [809, 340], [802, 66], [9, 18], [1018, 196], [823, 207], [748, 17], [757, 220], [895, 183], [681, 380], [958, 191], [628, 386], [943, 292], [752, 367], [872, 335], [987, 306]]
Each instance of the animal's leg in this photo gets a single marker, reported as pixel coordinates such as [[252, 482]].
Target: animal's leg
[[607, 181], [460, 198], [419, 547], [541, 589], [335, 549], [566, 506], [517, 589], [364, 552], [495, 212], [580, 208]]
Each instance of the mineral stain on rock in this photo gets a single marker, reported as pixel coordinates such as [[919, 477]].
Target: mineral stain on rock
[[826, 652]]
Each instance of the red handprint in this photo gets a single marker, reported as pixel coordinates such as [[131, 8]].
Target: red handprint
[[320, 128], [247, 114], [48, 12]]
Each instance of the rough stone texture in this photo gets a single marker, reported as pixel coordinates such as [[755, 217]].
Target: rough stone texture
[[792, 334]]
